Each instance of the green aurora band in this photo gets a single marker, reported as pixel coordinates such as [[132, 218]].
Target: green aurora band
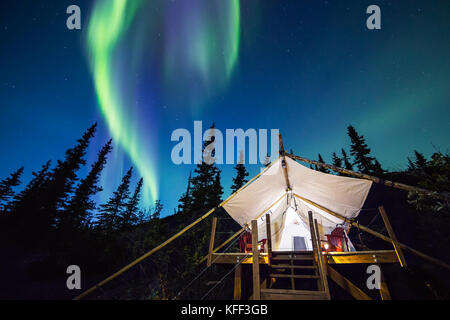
[[109, 27]]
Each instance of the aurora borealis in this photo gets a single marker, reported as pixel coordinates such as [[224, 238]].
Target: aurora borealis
[[145, 68], [200, 48]]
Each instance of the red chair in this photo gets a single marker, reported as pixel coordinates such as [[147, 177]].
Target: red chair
[[245, 242], [337, 240]]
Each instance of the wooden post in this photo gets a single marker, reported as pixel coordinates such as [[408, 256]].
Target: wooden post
[[397, 248], [255, 251], [211, 241], [384, 290], [322, 269], [269, 238], [238, 282]]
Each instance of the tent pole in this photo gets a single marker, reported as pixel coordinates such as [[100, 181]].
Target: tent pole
[[376, 234], [283, 163], [393, 184], [269, 238]]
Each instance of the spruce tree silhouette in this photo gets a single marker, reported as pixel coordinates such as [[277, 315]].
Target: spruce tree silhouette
[[79, 211], [25, 213], [6, 188], [347, 164], [110, 212], [59, 187], [322, 169], [129, 216], [361, 153], [240, 179], [336, 161]]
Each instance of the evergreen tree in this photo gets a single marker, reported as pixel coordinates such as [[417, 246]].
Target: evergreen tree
[[6, 188], [206, 187], [347, 164], [421, 161], [129, 216], [361, 153], [322, 169], [186, 198], [377, 169], [336, 161], [26, 215], [411, 165], [110, 212], [59, 187], [157, 210], [215, 196], [79, 211], [240, 179]]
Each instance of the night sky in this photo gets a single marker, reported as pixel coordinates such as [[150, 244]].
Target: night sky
[[308, 68]]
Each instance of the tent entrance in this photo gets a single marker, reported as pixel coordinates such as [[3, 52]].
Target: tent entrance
[[295, 234]]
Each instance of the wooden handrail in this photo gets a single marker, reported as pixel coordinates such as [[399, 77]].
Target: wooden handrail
[[315, 239]]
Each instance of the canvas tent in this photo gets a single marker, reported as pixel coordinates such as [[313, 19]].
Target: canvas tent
[[269, 194]]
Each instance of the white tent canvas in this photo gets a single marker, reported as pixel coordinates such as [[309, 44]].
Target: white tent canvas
[[289, 214]]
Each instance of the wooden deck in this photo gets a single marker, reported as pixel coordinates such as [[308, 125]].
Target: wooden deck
[[373, 256]]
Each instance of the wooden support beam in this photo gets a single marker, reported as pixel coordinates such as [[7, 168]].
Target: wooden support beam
[[283, 162], [255, 264], [376, 234], [367, 257], [397, 247], [238, 282], [347, 285], [211, 240], [269, 237], [384, 290], [433, 194]]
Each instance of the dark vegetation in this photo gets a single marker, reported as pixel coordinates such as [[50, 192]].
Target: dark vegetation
[[55, 220]]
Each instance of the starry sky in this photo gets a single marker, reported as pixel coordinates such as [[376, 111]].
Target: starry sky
[[142, 69]]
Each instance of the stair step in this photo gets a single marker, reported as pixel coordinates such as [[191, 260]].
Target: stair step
[[288, 266], [280, 294], [296, 276]]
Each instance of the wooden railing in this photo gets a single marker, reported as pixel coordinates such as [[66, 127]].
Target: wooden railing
[[318, 256]]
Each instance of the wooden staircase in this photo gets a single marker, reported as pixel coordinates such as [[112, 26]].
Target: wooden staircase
[[298, 275], [295, 276]]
